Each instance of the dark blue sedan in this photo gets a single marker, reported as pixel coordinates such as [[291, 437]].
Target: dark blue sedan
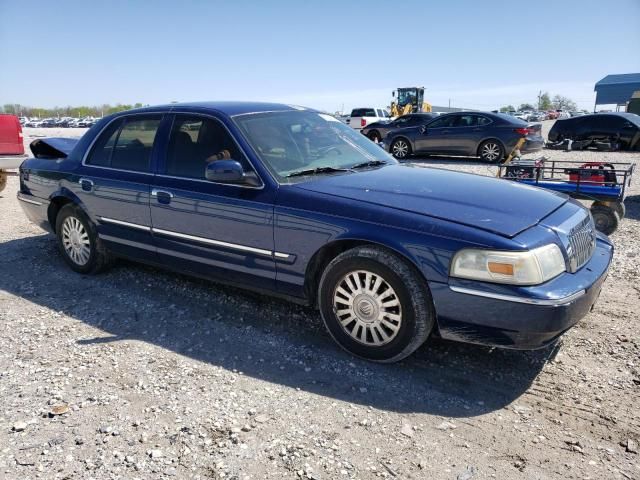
[[490, 136], [291, 202]]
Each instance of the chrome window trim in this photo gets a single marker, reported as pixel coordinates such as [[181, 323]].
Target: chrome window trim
[[26, 200], [209, 241], [556, 302], [95, 139]]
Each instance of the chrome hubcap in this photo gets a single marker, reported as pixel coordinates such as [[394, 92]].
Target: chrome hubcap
[[367, 307], [400, 149], [76, 241], [491, 151]]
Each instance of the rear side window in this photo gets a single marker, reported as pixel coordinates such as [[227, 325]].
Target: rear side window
[[483, 121], [443, 122], [102, 149], [126, 144], [196, 141]]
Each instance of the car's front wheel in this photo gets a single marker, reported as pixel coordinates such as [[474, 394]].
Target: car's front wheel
[[78, 241], [491, 151], [400, 148], [375, 305]]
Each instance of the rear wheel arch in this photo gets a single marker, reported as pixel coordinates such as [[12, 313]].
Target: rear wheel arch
[[59, 200]]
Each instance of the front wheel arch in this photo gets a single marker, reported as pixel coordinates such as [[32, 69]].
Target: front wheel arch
[[325, 254]]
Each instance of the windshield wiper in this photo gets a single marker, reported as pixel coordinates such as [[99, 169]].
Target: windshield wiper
[[316, 171], [370, 163]]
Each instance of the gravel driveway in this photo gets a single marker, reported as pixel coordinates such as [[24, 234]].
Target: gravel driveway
[[140, 373]]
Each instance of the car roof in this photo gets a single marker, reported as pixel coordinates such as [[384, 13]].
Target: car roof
[[229, 108]]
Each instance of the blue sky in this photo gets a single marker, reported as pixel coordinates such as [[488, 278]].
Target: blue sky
[[323, 54]]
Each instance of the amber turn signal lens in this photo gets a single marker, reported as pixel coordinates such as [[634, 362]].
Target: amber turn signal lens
[[501, 268]]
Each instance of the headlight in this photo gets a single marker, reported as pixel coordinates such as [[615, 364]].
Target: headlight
[[530, 267]]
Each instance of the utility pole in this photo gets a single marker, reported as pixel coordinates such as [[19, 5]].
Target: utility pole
[[539, 99]]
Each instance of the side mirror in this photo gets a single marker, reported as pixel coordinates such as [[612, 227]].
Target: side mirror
[[224, 171]]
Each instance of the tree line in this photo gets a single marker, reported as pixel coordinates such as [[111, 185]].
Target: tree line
[[545, 102], [68, 111]]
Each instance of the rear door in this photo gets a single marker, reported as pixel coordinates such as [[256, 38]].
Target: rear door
[[212, 229], [114, 183]]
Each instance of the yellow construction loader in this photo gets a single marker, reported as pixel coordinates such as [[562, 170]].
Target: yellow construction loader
[[409, 100]]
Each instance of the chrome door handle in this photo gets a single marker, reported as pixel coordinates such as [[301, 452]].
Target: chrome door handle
[[86, 184], [155, 192]]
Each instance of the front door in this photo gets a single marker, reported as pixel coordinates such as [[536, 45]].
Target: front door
[[435, 138], [114, 183], [223, 231]]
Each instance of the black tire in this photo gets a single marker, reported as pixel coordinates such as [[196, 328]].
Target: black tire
[[374, 136], [605, 218], [621, 209], [3, 180], [491, 151], [98, 258], [400, 148], [415, 310]]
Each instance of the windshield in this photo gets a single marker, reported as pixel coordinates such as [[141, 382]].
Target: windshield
[[295, 141]]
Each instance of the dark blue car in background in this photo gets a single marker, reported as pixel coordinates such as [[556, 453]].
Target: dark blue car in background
[[291, 202], [490, 136]]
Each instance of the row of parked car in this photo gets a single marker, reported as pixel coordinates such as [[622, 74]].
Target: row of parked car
[[63, 122], [538, 116], [490, 136]]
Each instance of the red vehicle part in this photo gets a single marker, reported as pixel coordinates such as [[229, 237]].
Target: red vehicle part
[[10, 135], [594, 173]]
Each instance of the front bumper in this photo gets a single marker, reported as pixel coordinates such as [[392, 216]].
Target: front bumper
[[520, 317]]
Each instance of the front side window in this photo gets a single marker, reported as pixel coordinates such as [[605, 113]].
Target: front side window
[[294, 141], [195, 142], [126, 144]]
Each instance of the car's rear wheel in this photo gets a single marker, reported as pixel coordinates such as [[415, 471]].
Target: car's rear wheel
[[374, 136], [375, 305], [78, 241], [400, 148], [491, 151]]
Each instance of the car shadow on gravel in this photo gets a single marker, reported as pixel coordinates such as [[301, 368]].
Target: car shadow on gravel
[[267, 339]]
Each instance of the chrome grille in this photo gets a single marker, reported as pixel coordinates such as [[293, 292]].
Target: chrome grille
[[582, 243]]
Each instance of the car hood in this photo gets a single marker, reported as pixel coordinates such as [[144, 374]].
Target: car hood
[[492, 204]]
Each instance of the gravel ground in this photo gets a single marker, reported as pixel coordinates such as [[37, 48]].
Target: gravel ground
[[143, 374]]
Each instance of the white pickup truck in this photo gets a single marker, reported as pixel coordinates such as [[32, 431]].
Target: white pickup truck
[[361, 117]]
